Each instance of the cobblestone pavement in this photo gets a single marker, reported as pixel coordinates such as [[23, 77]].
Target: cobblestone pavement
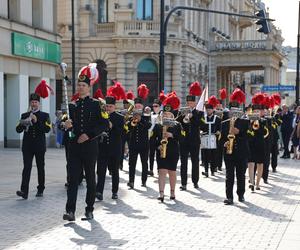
[[269, 219]]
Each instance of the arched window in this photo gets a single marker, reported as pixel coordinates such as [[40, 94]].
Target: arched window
[[144, 9], [147, 66]]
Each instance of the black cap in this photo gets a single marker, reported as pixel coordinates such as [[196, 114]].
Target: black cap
[[209, 106], [190, 98], [156, 101], [34, 97], [234, 105], [110, 100], [84, 78], [256, 107], [138, 100], [168, 108]]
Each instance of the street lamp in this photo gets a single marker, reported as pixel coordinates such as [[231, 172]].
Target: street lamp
[[73, 49]]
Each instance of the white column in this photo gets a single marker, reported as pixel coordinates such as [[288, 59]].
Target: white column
[[26, 12], [1, 109], [17, 103], [3, 9], [47, 15], [176, 75], [267, 76]]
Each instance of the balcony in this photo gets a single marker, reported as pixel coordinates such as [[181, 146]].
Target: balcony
[[244, 21], [136, 28]]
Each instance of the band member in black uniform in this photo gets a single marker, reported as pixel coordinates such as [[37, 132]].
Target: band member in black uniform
[[287, 118], [211, 127], [125, 136], [35, 124], [274, 147], [138, 127], [256, 133], [110, 150], [167, 135], [190, 145], [236, 149], [152, 141], [87, 123]]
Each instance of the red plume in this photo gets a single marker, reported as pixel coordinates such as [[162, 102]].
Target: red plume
[[98, 94], [143, 91], [238, 96], [117, 91], [223, 94], [277, 98], [129, 95], [42, 89], [258, 98], [75, 97], [271, 102], [213, 101], [162, 96], [172, 100], [195, 89], [85, 71]]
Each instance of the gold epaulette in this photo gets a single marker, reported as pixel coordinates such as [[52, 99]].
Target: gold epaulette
[[126, 128], [104, 115], [48, 124], [151, 133], [249, 132], [202, 120], [183, 133]]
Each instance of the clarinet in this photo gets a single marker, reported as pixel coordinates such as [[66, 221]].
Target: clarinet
[[63, 67]]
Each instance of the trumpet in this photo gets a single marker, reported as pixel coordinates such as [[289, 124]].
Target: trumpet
[[27, 122], [187, 113]]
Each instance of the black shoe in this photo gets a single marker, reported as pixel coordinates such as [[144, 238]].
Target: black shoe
[[205, 174], [241, 199], [228, 201], [22, 194], [212, 173], [251, 187], [266, 182], [69, 216], [109, 172], [114, 196], [88, 215], [144, 184], [161, 198], [66, 184], [150, 173], [130, 185], [274, 170], [183, 188], [196, 186], [39, 194], [257, 188], [121, 167], [220, 169], [99, 196]]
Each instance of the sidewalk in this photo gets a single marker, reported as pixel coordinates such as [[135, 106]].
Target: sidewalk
[[269, 219]]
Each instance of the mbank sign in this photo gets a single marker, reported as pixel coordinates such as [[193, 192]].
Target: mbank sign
[[28, 46]]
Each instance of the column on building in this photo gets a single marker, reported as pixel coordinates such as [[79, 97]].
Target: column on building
[[1, 109], [16, 104], [121, 67], [267, 75], [176, 75]]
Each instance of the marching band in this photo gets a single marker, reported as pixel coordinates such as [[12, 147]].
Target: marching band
[[96, 131]]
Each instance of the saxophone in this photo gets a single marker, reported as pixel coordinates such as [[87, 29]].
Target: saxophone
[[230, 137], [164, 143]]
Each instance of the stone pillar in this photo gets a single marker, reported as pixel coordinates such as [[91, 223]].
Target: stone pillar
[[121, 67], [267, 75], [17, 103], [176, 75], [1, 109]]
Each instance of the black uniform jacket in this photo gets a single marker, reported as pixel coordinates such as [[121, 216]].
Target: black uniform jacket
[[34, 139]]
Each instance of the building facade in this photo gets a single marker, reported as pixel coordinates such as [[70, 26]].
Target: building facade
[[29, 52], [122, 36]]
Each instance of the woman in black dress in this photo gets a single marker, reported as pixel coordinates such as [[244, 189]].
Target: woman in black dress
[[256, 133], [168, 131]]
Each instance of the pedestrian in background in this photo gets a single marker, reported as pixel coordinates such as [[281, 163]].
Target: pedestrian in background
[[295, 136], [286, 130]]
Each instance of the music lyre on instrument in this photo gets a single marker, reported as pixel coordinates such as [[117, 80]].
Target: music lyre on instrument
[[63, 67]]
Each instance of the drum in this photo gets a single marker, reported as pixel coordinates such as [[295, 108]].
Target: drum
[[209, 142]]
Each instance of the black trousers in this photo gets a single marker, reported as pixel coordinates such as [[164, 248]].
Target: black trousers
[[104, 163], [152, 150], [266, 163], [193, 150], [133, 154], [219, 155], [238, 167], [274, 154], [67, 165], [82, 156], [125, 139], [209, 158], [286, 141], [26, 173]]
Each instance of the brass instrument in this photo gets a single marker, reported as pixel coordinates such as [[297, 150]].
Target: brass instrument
[[135, 114], [255, 125], [230, 137], [27, 122], [254, 117], [219, 113], [164, 143], [187, 113]]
